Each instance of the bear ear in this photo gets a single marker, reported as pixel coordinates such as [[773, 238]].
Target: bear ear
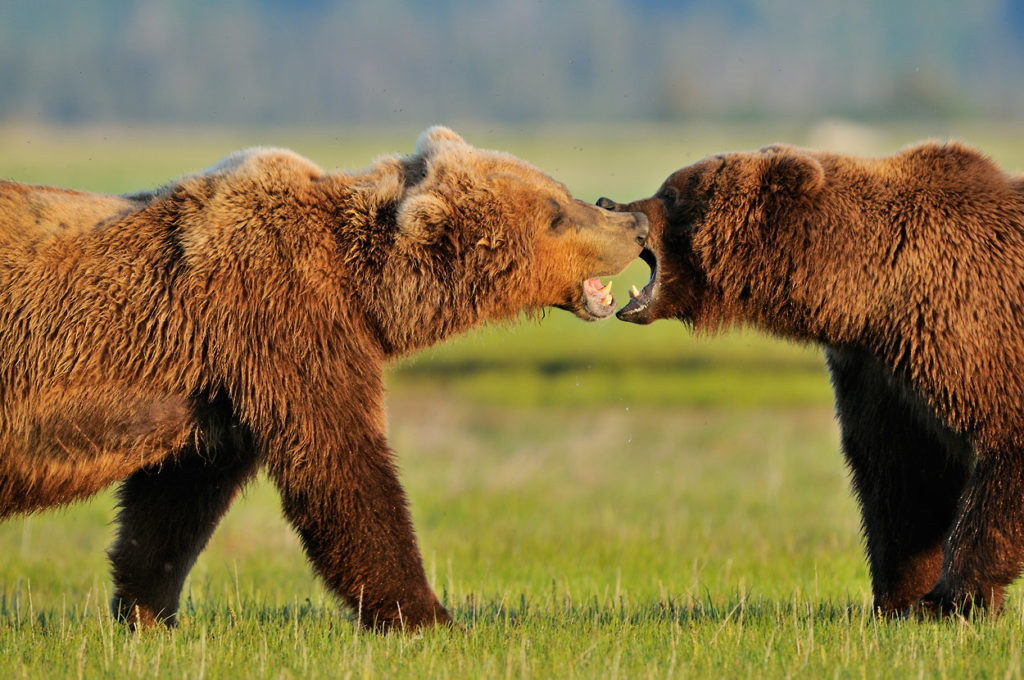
[[435, 138], [423, 219], [792, 172], [417, 166], [778, 149]]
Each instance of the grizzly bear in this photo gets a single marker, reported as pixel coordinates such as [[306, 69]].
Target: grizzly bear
[[239, 319], [909, 271]]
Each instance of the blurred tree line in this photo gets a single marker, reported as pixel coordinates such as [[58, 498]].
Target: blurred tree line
[[325, 61]]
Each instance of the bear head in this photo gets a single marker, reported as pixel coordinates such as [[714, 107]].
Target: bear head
[[481, 236], [706, 218], [511, 222]]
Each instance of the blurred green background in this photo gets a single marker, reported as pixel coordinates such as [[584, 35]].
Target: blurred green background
[[517, 61]]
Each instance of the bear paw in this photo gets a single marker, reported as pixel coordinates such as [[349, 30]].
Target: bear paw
[[942, 603]]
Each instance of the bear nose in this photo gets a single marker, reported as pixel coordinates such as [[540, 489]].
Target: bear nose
[[607, 204], [643, 227]]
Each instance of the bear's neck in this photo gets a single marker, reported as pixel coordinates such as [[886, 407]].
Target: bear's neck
[[418, 303]]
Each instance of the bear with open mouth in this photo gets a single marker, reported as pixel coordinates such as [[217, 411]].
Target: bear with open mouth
[[909, 271]]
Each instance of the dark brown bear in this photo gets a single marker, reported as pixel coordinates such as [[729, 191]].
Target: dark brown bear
[[240, 319], [909, 271]]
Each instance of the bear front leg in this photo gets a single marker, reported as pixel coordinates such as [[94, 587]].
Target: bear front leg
[[351, 514], [907, 475], [984, 551], [167, 515]]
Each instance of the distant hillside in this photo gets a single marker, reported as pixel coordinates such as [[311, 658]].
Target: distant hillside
[[306, 61]]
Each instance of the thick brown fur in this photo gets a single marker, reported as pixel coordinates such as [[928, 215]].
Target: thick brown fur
[[239, 319], [909, 270]]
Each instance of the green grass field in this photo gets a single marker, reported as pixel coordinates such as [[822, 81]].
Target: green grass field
[[592, 500]]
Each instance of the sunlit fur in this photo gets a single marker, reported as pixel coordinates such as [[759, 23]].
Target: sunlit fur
[[240, 318], [909, 270]]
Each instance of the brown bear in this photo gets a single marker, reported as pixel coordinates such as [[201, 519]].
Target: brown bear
[[909, 271], [240, 318]]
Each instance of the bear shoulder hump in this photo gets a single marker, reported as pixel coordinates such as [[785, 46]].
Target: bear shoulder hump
[[264, 162], [952, 157]]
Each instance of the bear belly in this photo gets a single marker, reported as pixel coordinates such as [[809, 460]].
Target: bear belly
[[75, 448]]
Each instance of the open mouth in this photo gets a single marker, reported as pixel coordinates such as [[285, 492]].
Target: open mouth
[[640, 300], [598, 300]]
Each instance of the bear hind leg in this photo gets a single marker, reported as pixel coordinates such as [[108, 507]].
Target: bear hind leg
[[167, 514], [985, 549]]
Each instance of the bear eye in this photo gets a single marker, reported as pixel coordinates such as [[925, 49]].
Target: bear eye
[[558, 217]]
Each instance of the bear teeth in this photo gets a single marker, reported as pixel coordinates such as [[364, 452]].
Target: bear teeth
[[608, 300], [634, 292]]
